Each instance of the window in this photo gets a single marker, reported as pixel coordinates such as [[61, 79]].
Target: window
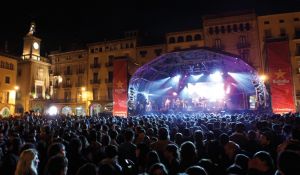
[[96, 94], [19, 72], [235, 28], [171, 40], [110, 60], [247, 26], [297, 50], [68, 82], [158, 52], [296, 19], [188, 38], [218, 43], [131, 45], [229, 28], [95, 76], [92, 50], [197, 37], [7, 80], [110, 77], [243, 40], [222, 29], [67, 95], [79, 56], [268, 33], [96, 60], [143, 53], [281, 21], [39, 91], [217, 30], [282, 32], [241, 27], [180, 39], [266, 22], [211, 31]]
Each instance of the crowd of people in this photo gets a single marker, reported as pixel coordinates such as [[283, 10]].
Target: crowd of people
[[193, 144]]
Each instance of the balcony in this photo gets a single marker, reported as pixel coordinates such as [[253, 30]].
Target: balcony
[[108, 81], [66, 100], [108, 64], [79, 84], [243, 45], [95, 65], [80, 71], [95, 81], [68, 72], [67, 85]]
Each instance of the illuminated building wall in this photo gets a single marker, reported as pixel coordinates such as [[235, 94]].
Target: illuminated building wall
[[284, 26], [8, 86], [236, 33], [69, 81]]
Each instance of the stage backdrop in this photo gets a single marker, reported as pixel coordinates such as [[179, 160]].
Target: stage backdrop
[[280, 76], [120, 87]]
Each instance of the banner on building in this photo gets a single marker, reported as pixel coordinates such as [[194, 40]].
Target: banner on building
[[280, 77], [120, 87]]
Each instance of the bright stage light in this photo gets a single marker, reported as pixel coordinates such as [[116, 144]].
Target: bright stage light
[[263, 77], [209, 90], [216, 77], [177, 78], [53, 110], [196, 77], [174, 93]]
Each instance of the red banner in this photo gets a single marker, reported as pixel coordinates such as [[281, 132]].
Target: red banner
[[120, 87], [280, 75]]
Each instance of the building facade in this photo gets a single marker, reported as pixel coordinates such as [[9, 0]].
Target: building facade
[[236, 33], [285, 27], [8, 85], [69, 81]]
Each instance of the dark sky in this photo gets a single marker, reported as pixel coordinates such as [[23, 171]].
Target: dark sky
[[65, 22]]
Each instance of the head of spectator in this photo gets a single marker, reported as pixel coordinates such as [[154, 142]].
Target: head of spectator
[[56, 148], [88, 169], [163, 134], [231, 149], [288, 162], [261, 163], [171, 152], [158, 169], [196, 170], [152, 158], [57, 165], [27, 163], [129, 135]]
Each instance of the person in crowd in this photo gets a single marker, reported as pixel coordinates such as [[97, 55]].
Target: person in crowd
[[57, 165], [196, 170], [28, 163], [158, 169], [188, 155], [261, 164], [172, 159], [88, 169]]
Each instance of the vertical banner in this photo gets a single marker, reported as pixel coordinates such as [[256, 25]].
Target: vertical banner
[[120, 87], [280, 75]]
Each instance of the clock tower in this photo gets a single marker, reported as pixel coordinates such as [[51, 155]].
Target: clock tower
[[31, 48], [33, 75]]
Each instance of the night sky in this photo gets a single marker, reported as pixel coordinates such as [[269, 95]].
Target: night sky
[[63, 23]]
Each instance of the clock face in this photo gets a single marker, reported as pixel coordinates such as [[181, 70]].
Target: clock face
[[36, 45]]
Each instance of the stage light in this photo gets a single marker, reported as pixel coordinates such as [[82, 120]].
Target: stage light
[[263, 77], [196, 77], [216, 77], [177, 78], [174, 93], [53, 110]]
